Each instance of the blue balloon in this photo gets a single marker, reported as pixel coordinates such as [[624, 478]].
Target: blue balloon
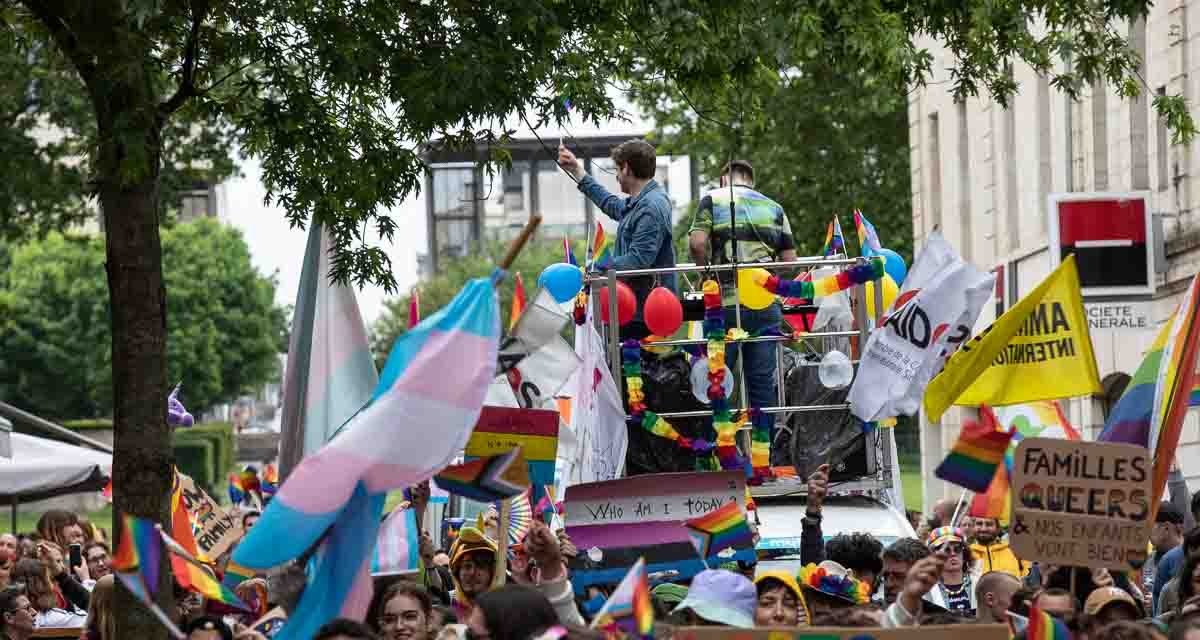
[[562, 280], [894, 265]]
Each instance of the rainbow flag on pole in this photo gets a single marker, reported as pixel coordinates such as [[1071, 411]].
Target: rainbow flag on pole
[[1150, 413], [868, 238], [194, 576], [980, 449], [601, 249], [518, 301], [137, 564], [330, 372], [835, 242], [719, 530], [568, 254], [629, 609], [1043, 626], [421, 415]]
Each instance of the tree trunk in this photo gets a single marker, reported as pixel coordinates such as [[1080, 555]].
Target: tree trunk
[[143, 459]]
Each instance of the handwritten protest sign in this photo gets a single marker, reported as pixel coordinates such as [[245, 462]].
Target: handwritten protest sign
[[500, 429], [1084, 504], [615, 522], [215, 529], [947, 632]]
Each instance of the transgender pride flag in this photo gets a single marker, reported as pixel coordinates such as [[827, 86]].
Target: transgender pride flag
[[420, 417], [330, 374]]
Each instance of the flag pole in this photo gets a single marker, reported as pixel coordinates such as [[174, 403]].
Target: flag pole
[[519, 242], [498, 573]]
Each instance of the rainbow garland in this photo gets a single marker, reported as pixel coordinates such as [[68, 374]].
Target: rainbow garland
[[710, 456], [827, 286]]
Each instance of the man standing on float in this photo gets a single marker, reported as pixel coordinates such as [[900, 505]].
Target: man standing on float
[[643, 220]]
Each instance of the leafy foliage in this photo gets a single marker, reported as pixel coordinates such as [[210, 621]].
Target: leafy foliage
[[223, 326], [49, 134]]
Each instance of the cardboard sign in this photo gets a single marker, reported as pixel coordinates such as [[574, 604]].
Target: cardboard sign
[[613, 523], [535, 430], [1084, 504], [215, 529], [947, 632]]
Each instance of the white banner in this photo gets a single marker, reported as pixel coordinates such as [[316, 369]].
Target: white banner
[[931, 317], [597, 414]]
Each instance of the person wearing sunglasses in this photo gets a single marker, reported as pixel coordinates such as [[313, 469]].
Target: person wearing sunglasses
[[955, 584], [16, 614]]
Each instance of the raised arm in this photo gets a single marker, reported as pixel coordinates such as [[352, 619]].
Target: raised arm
[[613, 206]]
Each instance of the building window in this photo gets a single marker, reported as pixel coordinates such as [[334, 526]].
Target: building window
[[1139, 150]]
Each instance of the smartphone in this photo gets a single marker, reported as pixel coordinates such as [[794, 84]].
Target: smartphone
[[76, 555]]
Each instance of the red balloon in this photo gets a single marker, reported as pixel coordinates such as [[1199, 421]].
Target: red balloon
[[663, 312], [626, 303]]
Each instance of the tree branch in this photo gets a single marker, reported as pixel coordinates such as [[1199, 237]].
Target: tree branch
[[187, 85], [225, 77]]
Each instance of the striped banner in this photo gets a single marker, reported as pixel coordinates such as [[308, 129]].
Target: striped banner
[[398, 549]]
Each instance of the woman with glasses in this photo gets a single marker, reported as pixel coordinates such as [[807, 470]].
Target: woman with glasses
[[405, 613], [52, 610], [955, 586]]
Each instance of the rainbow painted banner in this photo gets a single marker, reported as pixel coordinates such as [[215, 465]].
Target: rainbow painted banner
[[500, 429]]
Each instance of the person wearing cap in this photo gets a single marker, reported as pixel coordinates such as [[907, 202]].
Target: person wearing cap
[[720, 598], [780, 601], [1167, 538], [829, 586], [1111, 604], [760, 232], [992, 552], [955, 581], [472, 567]]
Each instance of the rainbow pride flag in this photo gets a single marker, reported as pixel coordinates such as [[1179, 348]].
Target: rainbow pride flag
[[237, 492], [487, 479], [1043, 419], [181, 522], [719, 530], [195, 577], [835, 242], [601, 249], [1194, 401], [980, 449], [629, 609], [568, 254], [1043, 626], [1151, 411], [419, 419], [136, 563], [868, 238], [518, 301]]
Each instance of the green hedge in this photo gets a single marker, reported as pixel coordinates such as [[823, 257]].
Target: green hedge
[[220, 436], [85, 425], [198, 460]]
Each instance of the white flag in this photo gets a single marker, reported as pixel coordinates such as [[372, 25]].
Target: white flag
[[597, 414], [931, 317]]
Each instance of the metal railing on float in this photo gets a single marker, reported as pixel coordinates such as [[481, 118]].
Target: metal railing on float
[[864, 321]]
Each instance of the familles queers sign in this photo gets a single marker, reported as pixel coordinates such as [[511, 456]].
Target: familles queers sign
[[1084, 504]]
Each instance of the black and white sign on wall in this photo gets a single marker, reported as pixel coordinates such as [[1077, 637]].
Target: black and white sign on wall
[[1112, 237]]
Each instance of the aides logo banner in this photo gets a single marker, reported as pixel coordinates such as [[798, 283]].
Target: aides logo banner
[[931, 317], [1040, 349]]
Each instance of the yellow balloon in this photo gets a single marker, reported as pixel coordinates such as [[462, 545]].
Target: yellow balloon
[[890, 291], [751, 294]]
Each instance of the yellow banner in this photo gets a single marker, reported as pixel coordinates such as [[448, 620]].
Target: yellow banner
[[1038, 350]]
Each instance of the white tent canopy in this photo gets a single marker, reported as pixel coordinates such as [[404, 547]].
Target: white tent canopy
[[42, 468]]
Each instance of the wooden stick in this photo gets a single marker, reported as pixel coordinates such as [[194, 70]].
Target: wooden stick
[[499, 576], [519, 243]]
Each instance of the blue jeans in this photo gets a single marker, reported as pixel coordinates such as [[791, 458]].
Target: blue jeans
[[760, 356]]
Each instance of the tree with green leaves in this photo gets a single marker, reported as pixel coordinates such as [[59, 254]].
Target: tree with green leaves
[[336, 96], [223, 327]]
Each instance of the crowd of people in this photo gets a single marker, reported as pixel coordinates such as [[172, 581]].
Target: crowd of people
[[956, 571]]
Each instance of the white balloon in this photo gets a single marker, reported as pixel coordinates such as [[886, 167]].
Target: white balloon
[[835, 370], [700, 380]]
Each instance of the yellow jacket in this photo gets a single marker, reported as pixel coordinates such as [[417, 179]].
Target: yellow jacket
[[998, 557]]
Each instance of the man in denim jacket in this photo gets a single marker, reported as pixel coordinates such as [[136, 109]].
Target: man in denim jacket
[[644, 219]]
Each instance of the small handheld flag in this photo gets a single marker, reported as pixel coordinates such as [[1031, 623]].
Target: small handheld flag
[[193, 576], [136, 564], [398, 548], [718, 530], [1043, 626], [835, 242], [487, 479], [628, 609], [601, 249], [569, 255], [518, 301], [980, 448], [868, 238]]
